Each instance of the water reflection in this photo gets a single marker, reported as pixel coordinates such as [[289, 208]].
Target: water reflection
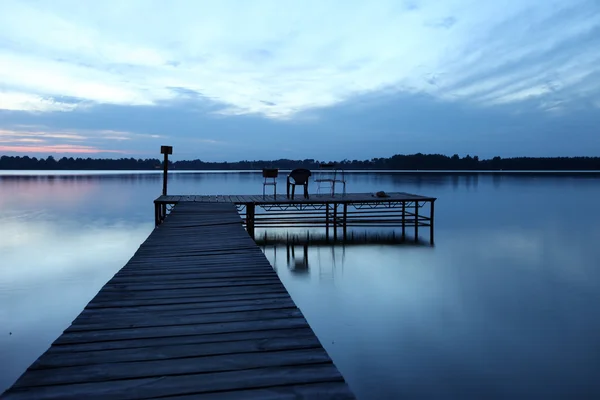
[[298, 266], [308, 262], [50, 268], [484, 304], [502, 307], [307, 251]]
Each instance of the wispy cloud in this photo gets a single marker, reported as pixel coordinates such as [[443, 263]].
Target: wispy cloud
[[11, 100], [20, 139], [57, 148], [294, 56], [39, 135]]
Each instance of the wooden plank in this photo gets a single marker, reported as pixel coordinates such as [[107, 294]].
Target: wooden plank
[[318, 391], [202, 251], [179, 330], [178, 340], [174, 319], [182, 273], [224, 254], [196, 267], [132, 287], [185, 309], [172, 351], [208, 257], [226, 251], [131, 389], [185, 300], [190, 276], [188, 280], [183, 293], [190, 261], [201, 261], [159, 368]]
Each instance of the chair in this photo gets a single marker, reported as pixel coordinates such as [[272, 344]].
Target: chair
[[328, 178], [298, 176], [270, 178]]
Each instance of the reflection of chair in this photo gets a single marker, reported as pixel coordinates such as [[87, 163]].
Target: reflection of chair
[[328, 178], [298, 176], [270, 178], [296, 265]]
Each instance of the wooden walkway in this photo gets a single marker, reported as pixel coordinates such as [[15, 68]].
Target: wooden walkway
[[350, 198], [197, 313]]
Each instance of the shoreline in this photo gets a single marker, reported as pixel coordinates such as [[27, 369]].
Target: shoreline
[[58, 172]]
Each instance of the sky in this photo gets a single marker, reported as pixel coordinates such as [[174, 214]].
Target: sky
[[235, 80]]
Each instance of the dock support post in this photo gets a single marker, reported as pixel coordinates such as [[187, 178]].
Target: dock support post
[[345, 218], [156, 214], [327, 221], [431, 223], [417, 221], [403, 220], [335, 207], [250, 208]]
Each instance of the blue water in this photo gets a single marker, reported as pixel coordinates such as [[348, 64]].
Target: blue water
[[504, 305]]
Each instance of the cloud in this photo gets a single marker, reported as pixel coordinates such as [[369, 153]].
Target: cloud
[[41, 139], [291, 57], [31, 102], [445, 23], [57, 148], [21, 140], [20, 134], [327, 80], [371, 125]]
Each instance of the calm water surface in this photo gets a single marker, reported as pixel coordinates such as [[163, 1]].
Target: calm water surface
[[504, 306]]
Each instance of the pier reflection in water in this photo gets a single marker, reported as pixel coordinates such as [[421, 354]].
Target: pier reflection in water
[[303, 261], [315, 253]]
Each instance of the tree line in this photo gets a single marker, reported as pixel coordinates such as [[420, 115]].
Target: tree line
[[398, 162]]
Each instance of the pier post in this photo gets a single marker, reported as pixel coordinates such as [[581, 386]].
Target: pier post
[[166, 150], [250, 208], [416, 220], [156, 214], [403, 220], [431, 223], [335, 206], [345, 218], [327, 221]]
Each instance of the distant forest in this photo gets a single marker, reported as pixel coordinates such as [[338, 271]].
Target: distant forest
[[398, 162]]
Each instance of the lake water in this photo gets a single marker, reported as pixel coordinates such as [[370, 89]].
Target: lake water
[[504, 306]]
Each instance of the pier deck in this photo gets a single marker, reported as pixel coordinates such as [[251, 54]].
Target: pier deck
[[198, 312], [258, 199], [398, 209]]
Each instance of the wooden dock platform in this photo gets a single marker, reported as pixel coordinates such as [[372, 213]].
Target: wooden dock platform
[[198, 312], [397, 209]]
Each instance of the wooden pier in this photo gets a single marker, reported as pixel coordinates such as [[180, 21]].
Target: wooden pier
[[198, 312], [331, 212]]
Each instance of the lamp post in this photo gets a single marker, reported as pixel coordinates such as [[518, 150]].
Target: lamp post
[[166, 150]]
